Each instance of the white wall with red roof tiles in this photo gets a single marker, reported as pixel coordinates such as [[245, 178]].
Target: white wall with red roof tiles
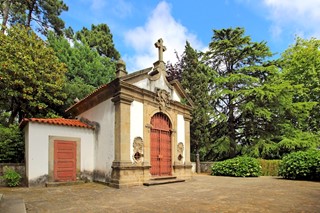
[[37, 147]]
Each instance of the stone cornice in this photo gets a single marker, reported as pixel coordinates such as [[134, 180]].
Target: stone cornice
[[122, 98]]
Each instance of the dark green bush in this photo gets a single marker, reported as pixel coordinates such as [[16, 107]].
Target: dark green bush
[[303, 165], [237, 167], [11, 177], [269, 167], [11, 144]]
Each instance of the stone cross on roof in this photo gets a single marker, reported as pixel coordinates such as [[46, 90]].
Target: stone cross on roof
[[161, 48]]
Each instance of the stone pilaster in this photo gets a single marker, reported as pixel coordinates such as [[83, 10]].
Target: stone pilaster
[[187, 119], [124, 172], [122, 125]]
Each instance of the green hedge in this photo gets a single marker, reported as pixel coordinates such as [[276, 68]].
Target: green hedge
[[303, 165], [237, 167], [11, 144], [269, 167]]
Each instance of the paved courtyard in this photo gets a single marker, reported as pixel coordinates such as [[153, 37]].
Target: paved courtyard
[[202, 194]]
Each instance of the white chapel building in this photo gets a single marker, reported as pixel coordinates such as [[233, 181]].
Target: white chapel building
[[125, 133]]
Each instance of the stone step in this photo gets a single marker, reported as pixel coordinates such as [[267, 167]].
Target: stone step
[[162, 181], [67, 183], [163, 177]]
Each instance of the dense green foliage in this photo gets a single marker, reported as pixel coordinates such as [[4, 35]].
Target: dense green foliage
[[11, 177], [251, 102], [32, 78], [43, 13], [87, 70], [269, 167], [301, 165], [259, 108], [301, 66], [237, 167], [42, 79], [11, 145]]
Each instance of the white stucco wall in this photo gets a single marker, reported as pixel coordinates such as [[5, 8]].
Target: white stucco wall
[[152, 85], [104, 114], [136, 126], [181, 131], [175, 96], [37, 147]]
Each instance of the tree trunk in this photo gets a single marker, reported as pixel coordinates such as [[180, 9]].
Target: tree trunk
[[30, 8], [198, 167], [5, 12], [232, 129], [13, 115]]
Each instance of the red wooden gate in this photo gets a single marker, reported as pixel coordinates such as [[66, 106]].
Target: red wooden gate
[[65, 160], [160, 145]]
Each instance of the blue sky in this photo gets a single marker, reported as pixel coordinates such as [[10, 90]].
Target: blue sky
[[137, 24]]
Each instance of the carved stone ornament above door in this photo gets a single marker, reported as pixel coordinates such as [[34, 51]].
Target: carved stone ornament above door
[[163, 97]]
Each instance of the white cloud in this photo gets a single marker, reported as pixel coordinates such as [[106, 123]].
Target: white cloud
[[296, 15], [160, 24]]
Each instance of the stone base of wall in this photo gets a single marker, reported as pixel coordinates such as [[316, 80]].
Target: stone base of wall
[[182, 171], [126, 174], [39, 181], [205, 167]]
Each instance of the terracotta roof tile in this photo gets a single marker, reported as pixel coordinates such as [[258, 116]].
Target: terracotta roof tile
[[56, 121]]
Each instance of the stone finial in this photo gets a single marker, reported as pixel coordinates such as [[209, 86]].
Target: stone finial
[[161, 48], [121, 69]]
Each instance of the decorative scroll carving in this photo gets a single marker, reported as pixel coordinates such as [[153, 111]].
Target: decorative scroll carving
[[180, 148], [164, 98], [137, 150]]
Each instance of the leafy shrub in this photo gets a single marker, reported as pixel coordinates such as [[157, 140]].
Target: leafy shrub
[[301, 165], [269, 167], [11, 144], [238, 167], [11, 177]]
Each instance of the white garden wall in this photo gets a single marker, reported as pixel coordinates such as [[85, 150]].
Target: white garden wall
[[37, 145]]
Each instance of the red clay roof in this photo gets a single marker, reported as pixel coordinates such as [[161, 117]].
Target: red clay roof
[[56, 121]]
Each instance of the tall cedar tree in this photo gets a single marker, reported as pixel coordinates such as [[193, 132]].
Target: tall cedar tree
[[238, 68], [31, 76], [44, 13]]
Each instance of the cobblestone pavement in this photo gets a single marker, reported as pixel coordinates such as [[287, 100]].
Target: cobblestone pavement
[[202, 194]]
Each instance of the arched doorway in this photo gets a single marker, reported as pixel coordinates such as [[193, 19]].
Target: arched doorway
[[160, 145]]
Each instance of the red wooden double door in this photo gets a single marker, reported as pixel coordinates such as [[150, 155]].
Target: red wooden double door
[[160, 145], [65, 160]]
